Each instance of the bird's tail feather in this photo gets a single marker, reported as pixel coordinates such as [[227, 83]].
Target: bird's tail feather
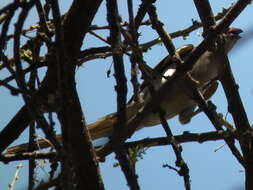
[[101, 128]]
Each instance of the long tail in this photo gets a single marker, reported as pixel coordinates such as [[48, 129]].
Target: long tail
[[101, 128]]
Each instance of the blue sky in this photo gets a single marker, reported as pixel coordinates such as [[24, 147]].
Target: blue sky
[[208, 169]]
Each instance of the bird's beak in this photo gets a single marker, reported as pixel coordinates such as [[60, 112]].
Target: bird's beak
[[234, 32]]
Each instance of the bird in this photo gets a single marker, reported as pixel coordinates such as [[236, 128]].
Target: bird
[[206, 71]]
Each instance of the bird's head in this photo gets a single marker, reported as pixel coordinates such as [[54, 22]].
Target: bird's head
[[231, 36]]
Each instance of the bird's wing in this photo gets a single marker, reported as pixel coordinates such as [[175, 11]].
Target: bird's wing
[[168, 63], [210, 89]]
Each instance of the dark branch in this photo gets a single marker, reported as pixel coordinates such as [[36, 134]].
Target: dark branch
[[184, 138], [28, 155], [206, 15], [121, 89], [184, 169], [236, 108]]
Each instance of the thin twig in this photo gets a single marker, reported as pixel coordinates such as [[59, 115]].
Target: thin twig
[[99, 37], [184, 170], [136, 54], [16, 177]]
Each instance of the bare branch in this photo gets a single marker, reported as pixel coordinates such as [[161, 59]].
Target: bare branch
[[16, 177], [28, 155], [186, 137], [236, 108], [184, 169], [121, 89], [205, 14]]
